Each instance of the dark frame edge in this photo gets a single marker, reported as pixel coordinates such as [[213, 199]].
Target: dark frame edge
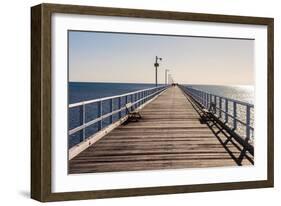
[[36, 139], [270, 102], [157, 14], [41, 102], [166, 190]]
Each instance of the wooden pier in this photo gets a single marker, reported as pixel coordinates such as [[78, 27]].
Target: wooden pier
[[170, 135]]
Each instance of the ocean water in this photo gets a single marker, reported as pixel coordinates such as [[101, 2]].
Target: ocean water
[[239, 92], [78, 92]]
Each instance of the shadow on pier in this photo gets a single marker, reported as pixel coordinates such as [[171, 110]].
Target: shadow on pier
[[238, 149]]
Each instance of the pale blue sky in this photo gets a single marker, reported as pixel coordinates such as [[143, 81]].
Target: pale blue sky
[[115, 57]]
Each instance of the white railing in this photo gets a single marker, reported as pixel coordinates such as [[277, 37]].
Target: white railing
[[112, 108], [237, 115]]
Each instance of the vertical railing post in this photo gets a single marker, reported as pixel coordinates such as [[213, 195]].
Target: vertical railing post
[[220, 105], [206, 100], [226, 110], [141, 98], [119, 107], [138, 98], [82, 121], [145, 94], [234, 115], [111, 110], [100, 115], [215, 97], [248, 122], [126, 101], [132, 100], [202, 98], [210, 101], [203, 94]]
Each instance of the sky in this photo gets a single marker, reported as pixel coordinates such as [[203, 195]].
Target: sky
[[129, 58]]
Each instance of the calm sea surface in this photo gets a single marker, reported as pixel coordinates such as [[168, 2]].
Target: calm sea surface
[[242, 93], [78, 92]]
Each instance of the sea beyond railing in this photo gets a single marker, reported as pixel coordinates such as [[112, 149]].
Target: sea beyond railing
[[91, 116], [237, 115]]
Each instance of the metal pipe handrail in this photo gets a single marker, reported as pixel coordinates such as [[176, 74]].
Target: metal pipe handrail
[[206, 98], [110, 97], [76, 129]]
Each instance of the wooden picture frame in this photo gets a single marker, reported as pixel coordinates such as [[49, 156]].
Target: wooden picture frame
[[41, 171]]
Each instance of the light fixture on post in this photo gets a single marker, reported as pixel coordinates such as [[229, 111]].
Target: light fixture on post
[[156, 65]]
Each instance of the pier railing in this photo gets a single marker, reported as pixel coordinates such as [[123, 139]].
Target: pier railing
[[237, 115], [90, 117]]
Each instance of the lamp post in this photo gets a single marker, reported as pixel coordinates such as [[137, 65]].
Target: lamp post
[[156, 65], [166, 72], [170, 79]]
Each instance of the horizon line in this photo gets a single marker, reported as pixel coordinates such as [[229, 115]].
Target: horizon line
[[163, 83]]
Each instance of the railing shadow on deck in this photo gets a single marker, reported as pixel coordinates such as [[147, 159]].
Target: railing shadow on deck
[[225, 135], [227, 139]]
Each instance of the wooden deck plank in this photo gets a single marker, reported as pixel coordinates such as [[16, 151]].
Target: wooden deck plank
[[169, 136]]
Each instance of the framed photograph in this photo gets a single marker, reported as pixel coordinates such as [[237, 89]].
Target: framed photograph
[[130, 102]]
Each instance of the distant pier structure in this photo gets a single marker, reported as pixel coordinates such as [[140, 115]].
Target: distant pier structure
[[180, 127]]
